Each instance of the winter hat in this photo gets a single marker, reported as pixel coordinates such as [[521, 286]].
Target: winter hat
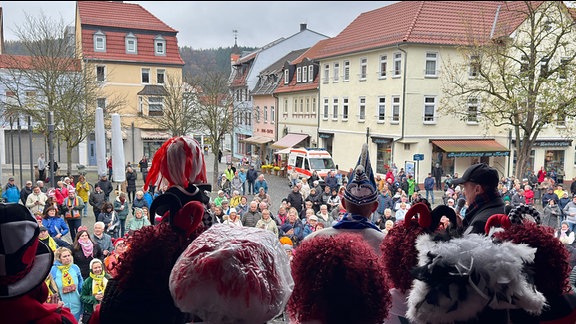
[[361, 188], [286, 227], [119, 241], [284, 240], [96, 260], [25, 261], [233, 210]]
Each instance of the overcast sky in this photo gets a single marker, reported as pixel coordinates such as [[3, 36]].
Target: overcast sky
[[203, 24]]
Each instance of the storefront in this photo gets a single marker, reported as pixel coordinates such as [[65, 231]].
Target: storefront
[[455, 155]]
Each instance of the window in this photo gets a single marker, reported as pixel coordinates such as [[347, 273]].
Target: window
[[304, 74], [160, 73], [310, 73], [363, 68], [307, 105], [429, 109], [472, 117], [285, 106], [272, 114], [362, 109], [100, 73], [131, 44], [101, 103], [257, 114], [301, 105], [346, 71], [381, 109], [298, 74], [325, 112], [431, 64], [335, 108], [286, 76], [295, 107], [155, 106], [145, 75], [383, 66], [344, 108], [99, 41], [397, 64], [314, 105], [265, 114], [159, 46], [140, 105], [563, 69], [326, 76], [336, 72], [395, 109], [474, 66]]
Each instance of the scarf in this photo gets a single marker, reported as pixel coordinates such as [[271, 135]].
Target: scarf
[[99, 282], [480, 200], [353, 221], [87, 248], [67, 279]]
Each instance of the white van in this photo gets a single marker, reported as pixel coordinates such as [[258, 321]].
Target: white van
[[305, 160]]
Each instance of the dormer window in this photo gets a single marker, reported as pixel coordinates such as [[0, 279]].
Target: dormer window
[[99, 41], [131, 44], [159, 46]]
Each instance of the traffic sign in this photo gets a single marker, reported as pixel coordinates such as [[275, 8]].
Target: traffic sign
[[418, 157]]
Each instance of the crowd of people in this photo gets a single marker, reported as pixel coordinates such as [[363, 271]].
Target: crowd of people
[[395, 256]]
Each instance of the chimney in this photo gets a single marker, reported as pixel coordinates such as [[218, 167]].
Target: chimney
[[303, 27]]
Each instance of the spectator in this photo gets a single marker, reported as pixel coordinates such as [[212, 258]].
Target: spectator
[[570, 213], [83, 191], [429, 187], [36, 201], [69, 280], [552, 215], [72, 210], [549, 195], [480, 183], [27, 190], [84, 250], [267, 223], [93, 288], [137, 221], [251, 177], [11, 193], [131, 177], [106, 186], [97, 199], [121, 208], [252, 216], [261, 183], [102, 239]]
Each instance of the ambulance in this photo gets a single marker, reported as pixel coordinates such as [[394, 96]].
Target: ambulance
[[306, 160]]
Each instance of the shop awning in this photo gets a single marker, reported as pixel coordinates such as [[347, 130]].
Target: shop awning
[[283, 151], [153, 135], [259, 140], [472, 148], [289, 141]]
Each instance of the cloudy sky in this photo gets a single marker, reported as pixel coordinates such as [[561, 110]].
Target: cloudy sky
[[203, 24]]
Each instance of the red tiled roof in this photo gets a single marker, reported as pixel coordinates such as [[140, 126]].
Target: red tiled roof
[[109, 16], [36, 63], [428, 22], [119, 15]]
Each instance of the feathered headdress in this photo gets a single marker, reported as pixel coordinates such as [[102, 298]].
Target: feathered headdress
[[361, 188]]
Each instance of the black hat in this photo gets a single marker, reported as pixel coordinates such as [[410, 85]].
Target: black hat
[[480, 173], [25, 260]]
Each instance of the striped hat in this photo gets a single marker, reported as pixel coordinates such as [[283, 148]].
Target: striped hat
[[24, 260], [361, 188]]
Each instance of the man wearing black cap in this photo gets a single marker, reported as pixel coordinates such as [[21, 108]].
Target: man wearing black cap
[[360, 201], [480, 183]]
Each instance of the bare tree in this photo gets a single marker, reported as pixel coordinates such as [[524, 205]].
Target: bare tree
[[213, 110], [519, 80], [178, 111], [52, 79]]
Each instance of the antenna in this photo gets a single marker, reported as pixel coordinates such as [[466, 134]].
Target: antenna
[[235, 32]]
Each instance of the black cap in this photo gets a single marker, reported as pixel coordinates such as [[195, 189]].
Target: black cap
[[480, 173]]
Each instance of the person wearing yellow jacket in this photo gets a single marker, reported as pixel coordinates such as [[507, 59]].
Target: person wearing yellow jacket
[[83, 191]]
